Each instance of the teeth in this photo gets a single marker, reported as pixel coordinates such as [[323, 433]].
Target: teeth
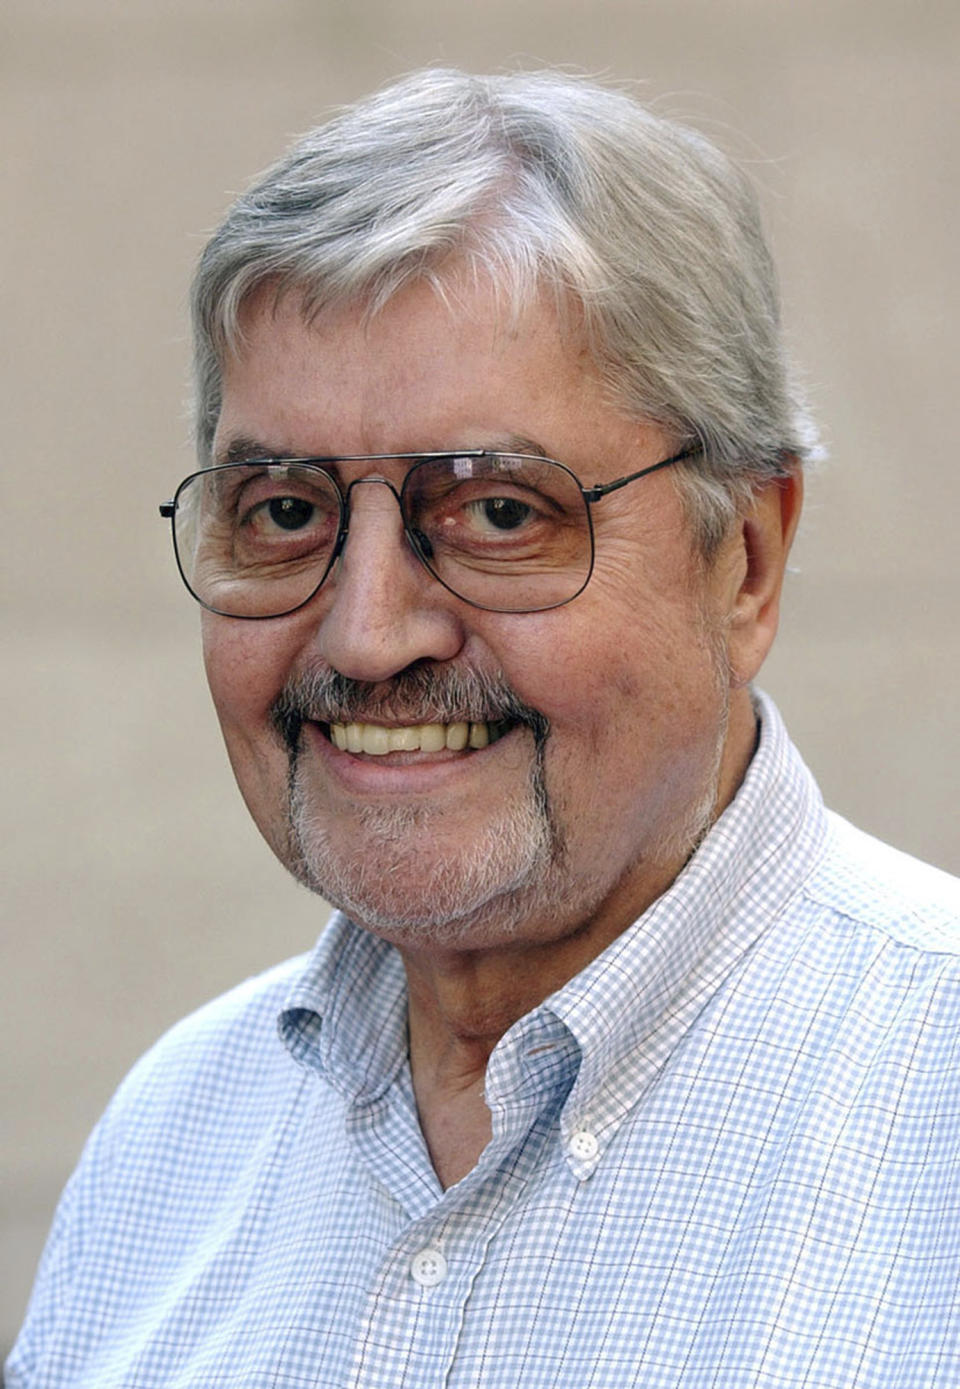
[[433, 737], [457, 735], [404, 739], [375, 740]]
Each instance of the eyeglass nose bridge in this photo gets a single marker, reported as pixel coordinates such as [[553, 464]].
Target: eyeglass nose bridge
[[369, 477], [418, 542]]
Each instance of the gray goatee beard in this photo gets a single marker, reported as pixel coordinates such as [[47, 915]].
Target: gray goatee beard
[[512, 870], [490, 876]]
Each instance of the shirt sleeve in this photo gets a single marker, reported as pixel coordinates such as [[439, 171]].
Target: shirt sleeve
[[38, 1348]]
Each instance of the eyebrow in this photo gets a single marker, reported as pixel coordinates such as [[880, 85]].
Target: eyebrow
[[519, 443], [244, 449]]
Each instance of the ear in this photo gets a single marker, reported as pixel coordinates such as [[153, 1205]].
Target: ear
[[762, 543]]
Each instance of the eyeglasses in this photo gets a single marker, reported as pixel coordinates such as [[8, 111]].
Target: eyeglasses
[[507, 532]]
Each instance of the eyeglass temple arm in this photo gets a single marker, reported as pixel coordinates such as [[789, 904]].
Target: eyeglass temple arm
[[593, 494]]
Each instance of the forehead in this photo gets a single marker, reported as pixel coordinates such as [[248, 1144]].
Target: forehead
[[425, 372]]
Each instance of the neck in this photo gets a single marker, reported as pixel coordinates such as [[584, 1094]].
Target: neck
[[462, 1001]]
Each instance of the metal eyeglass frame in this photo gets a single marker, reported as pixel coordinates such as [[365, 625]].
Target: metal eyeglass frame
[[168, 511]]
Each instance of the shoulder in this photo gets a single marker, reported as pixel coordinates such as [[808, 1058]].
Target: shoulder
[[171, 1164], [861, 964], [239, 1026], [199, 1071], [234, 1019], [871, 945], [864, 882], [845, 1016]]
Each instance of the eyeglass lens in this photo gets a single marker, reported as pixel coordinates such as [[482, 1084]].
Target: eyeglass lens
[[502, 531]]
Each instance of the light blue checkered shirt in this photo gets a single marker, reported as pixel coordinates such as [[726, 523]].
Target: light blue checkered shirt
[[726, 1154]]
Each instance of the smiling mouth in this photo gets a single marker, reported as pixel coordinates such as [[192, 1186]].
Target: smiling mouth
[[376, 740]]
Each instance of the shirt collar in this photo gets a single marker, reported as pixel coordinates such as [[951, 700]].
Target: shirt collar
[[628, 1009], [346, 1016], [631, 1006]]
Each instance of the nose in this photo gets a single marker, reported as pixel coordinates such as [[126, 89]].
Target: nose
[[382, 610]]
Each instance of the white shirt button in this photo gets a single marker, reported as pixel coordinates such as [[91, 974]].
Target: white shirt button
[[428, 1268], [584, 1146]]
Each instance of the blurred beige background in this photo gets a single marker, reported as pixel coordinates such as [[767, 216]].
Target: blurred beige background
[[134, 885]]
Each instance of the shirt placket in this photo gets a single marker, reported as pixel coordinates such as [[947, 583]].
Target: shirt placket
[[414, 1317]]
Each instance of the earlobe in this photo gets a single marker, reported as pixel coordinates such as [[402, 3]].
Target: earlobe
[[765, 535]]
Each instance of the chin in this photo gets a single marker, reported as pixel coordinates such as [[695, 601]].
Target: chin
[[397, 878]]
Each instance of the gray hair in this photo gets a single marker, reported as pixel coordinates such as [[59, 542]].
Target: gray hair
[[544, 183]]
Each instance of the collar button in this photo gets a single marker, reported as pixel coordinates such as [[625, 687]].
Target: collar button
[[584, 1146]]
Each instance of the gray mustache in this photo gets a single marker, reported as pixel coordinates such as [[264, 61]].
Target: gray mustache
[[419, 694]]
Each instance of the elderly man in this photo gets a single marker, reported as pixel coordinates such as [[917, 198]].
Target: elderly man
[[623, 1061]]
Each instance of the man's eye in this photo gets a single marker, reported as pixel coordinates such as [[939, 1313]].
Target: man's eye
[[502, 513], [290, 513]]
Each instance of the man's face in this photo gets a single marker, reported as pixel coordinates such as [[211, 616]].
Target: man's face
[[589, 802]]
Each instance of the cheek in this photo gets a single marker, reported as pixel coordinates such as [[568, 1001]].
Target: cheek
[[617, 669], [243, 661], [245, 672], [635, 703], [246, 666]]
